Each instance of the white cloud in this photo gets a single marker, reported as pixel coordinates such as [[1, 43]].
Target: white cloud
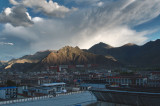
[[116, 37], [7, 11], [13, 2], [100, 4], [17, 16], [37, 19], [20, 32], [48, 8], [29, 17], [111, 23], [87, 3], [6, 43]]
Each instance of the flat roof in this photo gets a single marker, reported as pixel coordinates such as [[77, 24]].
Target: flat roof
[[2, 88], [53, 84]]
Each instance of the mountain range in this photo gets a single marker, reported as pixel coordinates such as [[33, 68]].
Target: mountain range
[[147, 55], [74, 55], [65, 56]]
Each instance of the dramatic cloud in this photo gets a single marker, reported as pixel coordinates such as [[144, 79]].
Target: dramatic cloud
[[17, 16], [48, 8], [111, 22]]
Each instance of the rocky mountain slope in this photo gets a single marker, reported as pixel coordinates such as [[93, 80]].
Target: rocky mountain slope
[[131, 54], [65, 56], [70, 55], [35, 58]]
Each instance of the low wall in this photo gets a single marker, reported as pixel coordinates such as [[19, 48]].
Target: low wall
[[128, 98], [36, 98]]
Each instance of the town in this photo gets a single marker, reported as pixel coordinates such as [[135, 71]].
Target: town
[[64, 78]]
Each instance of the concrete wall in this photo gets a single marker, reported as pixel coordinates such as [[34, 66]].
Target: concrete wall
[[136, 99]]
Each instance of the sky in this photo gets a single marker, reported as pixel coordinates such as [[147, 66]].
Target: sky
[[27, 26]]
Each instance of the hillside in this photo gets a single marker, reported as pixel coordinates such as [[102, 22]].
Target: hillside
[[65, 56], [2, 62], [70, 55], [35, 58], [131, 54]]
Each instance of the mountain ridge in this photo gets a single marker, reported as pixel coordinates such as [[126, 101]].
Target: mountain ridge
[[73, 55], [147, 54], [65, 56], [129, 54]]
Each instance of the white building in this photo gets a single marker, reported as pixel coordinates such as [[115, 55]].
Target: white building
[[8, 92], [51, 88]]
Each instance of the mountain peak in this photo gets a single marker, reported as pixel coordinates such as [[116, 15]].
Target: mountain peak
[[101, 45], [74, 55], [68, 49], [130, 44], [107, 46]]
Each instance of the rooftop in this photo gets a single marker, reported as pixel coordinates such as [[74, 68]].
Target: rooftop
[[2, 88], [53, 84]]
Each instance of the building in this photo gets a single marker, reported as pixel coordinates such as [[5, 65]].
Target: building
[[21, 89], [87, 86], [154, 75], [8, 92], [129, 80], [154, 83], [51, 88]]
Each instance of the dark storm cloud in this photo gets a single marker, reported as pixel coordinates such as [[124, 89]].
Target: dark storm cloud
[[48, 8], [17, 16]]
